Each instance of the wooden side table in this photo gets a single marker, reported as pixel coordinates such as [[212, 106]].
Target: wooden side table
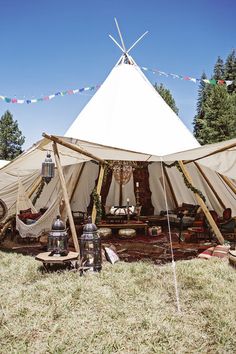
[[70, 260]]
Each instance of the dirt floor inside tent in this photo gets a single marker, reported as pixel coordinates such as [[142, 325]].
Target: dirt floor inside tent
[[156, 249]]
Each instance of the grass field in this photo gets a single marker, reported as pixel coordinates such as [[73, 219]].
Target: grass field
[[127, 308]]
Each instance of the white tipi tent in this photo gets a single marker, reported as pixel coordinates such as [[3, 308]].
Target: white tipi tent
[[127, 112]]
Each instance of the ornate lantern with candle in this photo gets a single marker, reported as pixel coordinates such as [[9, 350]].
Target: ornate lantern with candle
[[57, 239], [48, 168], [90, 248]]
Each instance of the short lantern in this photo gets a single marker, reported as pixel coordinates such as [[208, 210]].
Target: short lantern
[[48, 169], [90, 247], [57, 239]]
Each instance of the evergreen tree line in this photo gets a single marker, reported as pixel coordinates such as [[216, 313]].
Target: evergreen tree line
[[215, 119], [11, 138]]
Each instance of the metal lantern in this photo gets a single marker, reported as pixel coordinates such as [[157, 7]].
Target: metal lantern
[[90, 248], [48, 168], [57, 239]]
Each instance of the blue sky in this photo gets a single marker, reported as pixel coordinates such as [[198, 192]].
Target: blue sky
[[49, 46]]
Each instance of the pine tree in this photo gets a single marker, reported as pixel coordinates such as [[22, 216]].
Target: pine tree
[[199, 119], [219, 120], [11, 138], [219, 69], [230, 71], [167, 96]]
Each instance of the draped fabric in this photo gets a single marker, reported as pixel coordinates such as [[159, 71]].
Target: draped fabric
[[43, 224]]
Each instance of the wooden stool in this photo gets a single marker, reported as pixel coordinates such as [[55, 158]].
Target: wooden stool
[[70, 260]]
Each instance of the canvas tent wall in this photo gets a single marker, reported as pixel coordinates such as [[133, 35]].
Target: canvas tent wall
[[27, 167]]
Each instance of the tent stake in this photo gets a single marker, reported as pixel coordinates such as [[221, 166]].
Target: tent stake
[[203, 206], [99, 187], [66, 198]]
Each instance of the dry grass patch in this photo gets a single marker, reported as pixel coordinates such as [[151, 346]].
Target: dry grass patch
[[127, 308]]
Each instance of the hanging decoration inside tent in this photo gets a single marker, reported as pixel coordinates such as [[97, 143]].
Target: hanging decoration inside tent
[[48, 168], [188, 78], [49, 97], [122, 171]]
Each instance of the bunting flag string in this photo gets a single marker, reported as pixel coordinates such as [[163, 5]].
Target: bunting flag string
[[188, 78], [49, 97], [92, 88]]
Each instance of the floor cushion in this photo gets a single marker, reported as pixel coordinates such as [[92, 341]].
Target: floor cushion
[[104, 232], [154, 231], [207, 253], [221, 251], [127, 233]]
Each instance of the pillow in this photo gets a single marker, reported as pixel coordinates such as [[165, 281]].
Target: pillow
[[227, 214], [221, 251], [111, 255], [207, 253], [25, 211], [32, 216], [29, 221]]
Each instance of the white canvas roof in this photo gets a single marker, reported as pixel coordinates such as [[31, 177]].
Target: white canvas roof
[[220, 157], [127, 112]]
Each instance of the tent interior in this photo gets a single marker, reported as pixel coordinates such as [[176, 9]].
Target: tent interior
[[160, 187]]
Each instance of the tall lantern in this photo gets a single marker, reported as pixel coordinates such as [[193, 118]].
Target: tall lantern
[[57, 239], [90, 248], [48, 168]]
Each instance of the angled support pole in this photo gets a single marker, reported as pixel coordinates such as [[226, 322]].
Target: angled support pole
[[203, 205], [210, 185], [99, 187], [229, 183], [66, 198], [170, 186], [73, 147]]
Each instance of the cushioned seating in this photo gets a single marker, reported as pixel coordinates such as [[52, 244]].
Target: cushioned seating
[[105, 232], [127, 233]]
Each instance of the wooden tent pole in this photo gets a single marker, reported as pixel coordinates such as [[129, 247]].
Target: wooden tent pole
[[66, 198], [229, 183], [210, 185], [203, 205], [170, 186], [77, 181], [35, 185], [120, 185], [99, 187], [73, 147], [74, 185]]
